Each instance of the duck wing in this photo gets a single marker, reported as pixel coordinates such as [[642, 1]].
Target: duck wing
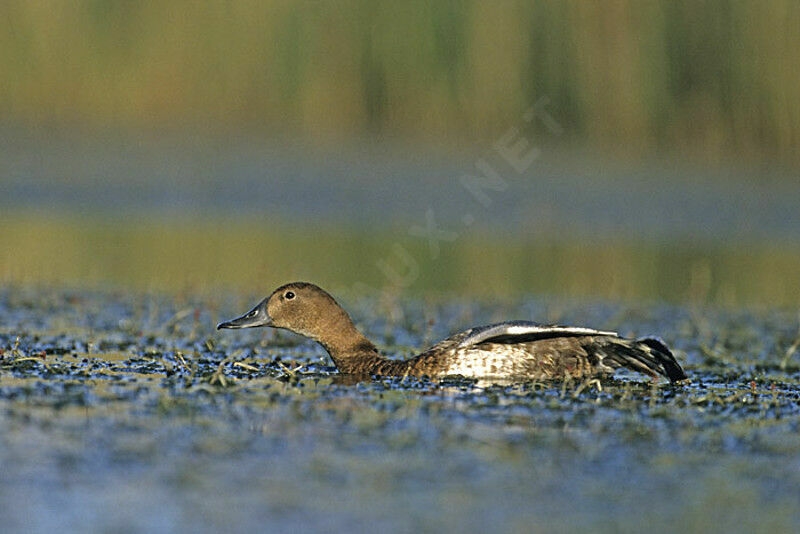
[[521, 332], [542, 350]]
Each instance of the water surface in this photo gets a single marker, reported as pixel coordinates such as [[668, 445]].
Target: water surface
[[127, 411]]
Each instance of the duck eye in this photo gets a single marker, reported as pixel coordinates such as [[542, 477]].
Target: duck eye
[[289, 295]]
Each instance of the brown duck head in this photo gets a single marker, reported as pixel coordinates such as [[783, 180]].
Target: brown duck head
[[308, 310]]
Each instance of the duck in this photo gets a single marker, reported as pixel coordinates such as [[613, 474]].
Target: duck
[[511, 350]]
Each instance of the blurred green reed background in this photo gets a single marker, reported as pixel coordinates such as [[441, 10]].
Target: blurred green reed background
[[712, 80], [251, 256], [714, 83]]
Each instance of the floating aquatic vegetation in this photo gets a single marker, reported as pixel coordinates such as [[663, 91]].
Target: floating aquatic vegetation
[[131, 408]]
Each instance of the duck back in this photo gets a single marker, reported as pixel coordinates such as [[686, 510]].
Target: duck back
[[523, 349]]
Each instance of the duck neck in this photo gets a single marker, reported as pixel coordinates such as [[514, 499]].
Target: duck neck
[[350, 350]]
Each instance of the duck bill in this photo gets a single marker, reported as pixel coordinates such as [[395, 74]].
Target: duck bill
[[258, 316]]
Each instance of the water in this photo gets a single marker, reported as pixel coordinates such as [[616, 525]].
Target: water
[[559, 194], [124, 411]]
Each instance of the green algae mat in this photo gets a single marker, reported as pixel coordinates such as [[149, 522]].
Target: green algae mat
[[124, 412]]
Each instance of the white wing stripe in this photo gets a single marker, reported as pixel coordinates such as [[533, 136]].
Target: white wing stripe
[[520, 328]]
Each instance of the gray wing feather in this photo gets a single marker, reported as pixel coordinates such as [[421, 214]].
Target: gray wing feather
[[522, 329]]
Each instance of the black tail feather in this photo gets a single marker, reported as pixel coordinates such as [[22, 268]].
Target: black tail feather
[[645, 355]]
